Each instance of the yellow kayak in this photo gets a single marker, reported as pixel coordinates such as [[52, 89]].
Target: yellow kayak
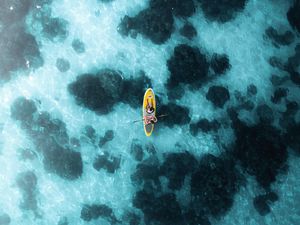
[[149, 100]]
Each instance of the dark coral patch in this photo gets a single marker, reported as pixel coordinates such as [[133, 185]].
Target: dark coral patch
[[176, 114], [218, 95], [23, 109], [90, 132], [27, 183], [92, 212], [78, 46], [4, 219], [131, 218], [262, 202], [97, 92], [147, 172], [176, 166], [133, 90], [292, 136], [136, 150], [14, 11], [62, 161], [279, 93], [220, 63], [50, 139], [17, 51], [55, 29], [288, 116], [163, 209], [280, 39], [187, 65], [63, 221], [188, 31], [222, 10], [62, 65], [108, 136], [265, 113], [107, 162], [214, 185], [260, 149], [101, 91], [177, 7], [156, 21], [293, 15], [153, 24], [251, 90], [204, 125], [294, 60]]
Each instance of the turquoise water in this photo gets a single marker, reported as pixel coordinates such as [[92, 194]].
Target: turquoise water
[[73, 75]]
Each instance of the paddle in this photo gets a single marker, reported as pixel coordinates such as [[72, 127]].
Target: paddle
[[143, 119]]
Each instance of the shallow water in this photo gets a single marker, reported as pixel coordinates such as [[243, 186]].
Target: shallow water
[[86, 66]]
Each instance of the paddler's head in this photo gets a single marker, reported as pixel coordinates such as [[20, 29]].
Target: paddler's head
[[150, 109]]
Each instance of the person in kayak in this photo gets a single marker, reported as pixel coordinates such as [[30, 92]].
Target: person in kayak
[[150, 117]]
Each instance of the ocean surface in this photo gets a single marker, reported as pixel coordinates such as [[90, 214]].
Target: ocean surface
[[72, 78]]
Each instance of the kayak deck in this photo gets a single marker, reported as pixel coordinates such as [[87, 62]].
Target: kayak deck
[[149, 98]]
